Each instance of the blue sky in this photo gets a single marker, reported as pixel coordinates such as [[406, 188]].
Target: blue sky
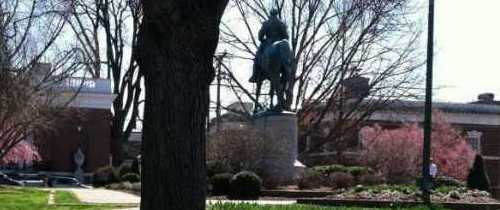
[[467, 38]]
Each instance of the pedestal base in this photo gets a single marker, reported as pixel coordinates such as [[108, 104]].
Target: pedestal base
[[282, 129]]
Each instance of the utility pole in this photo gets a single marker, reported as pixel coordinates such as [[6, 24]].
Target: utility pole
[[218, 108], [219, 80], [428, 107]]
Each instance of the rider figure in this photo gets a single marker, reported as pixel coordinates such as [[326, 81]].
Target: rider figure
[[272, 30]]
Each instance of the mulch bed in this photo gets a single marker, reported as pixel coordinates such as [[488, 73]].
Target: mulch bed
[[469, 196], [263, 198]]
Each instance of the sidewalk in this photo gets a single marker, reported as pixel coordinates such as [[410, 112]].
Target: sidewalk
[[103, 196]]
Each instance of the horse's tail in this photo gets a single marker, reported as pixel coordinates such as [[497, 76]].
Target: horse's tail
[[285, 52], [286, 57]]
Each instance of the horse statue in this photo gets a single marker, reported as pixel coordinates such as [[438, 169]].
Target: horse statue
[[277, 65], [274, 61]]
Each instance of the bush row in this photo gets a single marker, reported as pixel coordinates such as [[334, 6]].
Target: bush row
[[336, 180], [353, 170], [107, 175], [243, 185]]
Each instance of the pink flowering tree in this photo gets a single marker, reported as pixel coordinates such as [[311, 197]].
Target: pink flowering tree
[[23, 152], [30, 89], [397, 153], [393, 153], [450, 150]]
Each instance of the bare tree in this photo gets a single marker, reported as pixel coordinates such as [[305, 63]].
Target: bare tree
[[337, 44], [30, 98], [107, 32]]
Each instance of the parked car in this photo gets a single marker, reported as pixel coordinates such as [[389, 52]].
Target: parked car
[[6, 180], [33, 183], [63, 181]]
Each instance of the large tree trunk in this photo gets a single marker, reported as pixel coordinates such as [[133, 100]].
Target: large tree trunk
[[177, 42]]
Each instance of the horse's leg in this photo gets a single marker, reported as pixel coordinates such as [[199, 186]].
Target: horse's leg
[[289, 86], [257, 95], [278, 89], [280, 95], [271, 94]]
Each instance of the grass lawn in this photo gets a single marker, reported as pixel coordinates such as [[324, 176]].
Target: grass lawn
[[35, 199]]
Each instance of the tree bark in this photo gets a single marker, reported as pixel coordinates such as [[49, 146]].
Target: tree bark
[[177, 41]]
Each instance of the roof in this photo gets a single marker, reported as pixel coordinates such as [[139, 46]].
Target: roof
[[446, 107]]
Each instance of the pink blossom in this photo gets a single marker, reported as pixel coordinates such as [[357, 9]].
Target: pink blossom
[[397, 153], [23, 152]]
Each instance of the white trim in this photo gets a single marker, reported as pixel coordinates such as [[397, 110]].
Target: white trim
[[328, 153], [453, 118], [491, 157]]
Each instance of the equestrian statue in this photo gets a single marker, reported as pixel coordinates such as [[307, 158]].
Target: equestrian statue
[[274, 61]]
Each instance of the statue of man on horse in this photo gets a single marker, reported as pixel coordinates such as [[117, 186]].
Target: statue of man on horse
[[274, 61]]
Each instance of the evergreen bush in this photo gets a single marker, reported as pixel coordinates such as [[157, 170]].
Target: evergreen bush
[[221, 183], [131, 177], [245, 185], [477, 178]]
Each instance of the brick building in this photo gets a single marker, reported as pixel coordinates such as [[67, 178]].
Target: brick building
[[86, 126], [479, 121]]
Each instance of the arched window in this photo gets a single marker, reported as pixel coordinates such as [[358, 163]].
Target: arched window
[[474, 139]]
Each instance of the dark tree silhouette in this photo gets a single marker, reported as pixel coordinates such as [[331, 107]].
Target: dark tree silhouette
[[177, 42], [478, 179]]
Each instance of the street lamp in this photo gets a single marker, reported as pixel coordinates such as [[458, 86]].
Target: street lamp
[[428, 107]]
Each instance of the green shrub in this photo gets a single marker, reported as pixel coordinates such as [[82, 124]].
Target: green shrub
[[103, 176], [221, 183], [127, 186], [340, 180], [218, 167], [245, 185], [135, 166], [311, 179], [358, 171], [270, 183], [125, 169], [355, 171], [370, 179], [446, 189], [406, 189], [448, 182], [131, 177], [330, 169], [477, 178]]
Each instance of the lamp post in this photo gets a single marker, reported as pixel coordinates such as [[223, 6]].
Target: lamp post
[[428, 107]]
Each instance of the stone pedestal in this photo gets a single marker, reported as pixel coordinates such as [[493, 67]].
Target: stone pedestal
[[282, 130]]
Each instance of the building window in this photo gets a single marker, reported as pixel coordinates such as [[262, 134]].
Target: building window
[[474, 139]]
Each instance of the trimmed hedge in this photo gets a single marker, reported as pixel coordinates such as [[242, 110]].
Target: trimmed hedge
[[340, 180], [131, 177], [221, 183], [353, 170], [245, 185], [311, 179], [218, 167]]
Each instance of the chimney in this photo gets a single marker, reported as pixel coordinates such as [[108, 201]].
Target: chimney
[[486, 97]]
